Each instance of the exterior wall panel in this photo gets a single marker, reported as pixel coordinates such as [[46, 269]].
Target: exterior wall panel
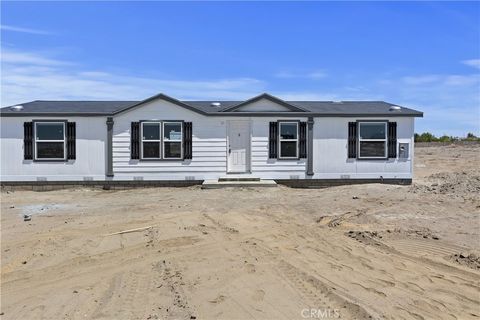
[[90, 159], [330, 144], [209, 147]]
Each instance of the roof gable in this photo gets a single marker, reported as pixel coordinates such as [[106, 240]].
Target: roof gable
[[160, 96], [264, 103]]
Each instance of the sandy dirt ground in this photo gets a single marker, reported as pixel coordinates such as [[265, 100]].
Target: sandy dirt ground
[[351, 252]]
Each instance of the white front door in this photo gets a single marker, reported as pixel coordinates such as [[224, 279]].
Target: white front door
[[238, 148]]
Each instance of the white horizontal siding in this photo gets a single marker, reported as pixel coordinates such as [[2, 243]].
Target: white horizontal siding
[[330, 157], [209, 146], [90, 162], [261, 164]]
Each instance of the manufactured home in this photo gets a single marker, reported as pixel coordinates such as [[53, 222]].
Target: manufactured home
[[167, 140]]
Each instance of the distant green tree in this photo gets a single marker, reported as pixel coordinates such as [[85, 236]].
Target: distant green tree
[[445, 138], [471, 136], [429, 137], [426, 137]]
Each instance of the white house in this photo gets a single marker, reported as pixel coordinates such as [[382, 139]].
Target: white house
[[164, 139]]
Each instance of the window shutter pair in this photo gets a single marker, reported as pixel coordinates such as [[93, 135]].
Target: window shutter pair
[[135, 140], [28, 140], [273, 140], [391, 139]]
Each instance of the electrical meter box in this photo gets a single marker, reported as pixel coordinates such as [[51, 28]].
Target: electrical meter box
[[403, 150]]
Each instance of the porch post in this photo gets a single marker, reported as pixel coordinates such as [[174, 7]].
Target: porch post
[[110, 122], [310, 146]]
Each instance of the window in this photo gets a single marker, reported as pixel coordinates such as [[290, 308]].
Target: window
[[151, 140], [50, 140], [288, 138], [161, 140], [172, 140], [372, 139]]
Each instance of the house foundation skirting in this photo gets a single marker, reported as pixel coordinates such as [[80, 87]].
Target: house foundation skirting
[[324, 183], [122, 185], [106, 185]]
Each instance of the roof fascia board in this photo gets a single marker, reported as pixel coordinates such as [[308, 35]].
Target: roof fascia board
[[314, 114], [229, 114], [54, 114], [268, 97]]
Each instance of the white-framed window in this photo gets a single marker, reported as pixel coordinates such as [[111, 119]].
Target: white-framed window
[[372, 140], [288, 140], [50, 140], [172, 140], [151, 140]]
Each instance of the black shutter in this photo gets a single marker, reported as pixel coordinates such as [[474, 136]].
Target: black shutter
[[303, 140], [71, 137], [272, 140], [352, 139], [28, 140], [392, 139], [187, 140], [135, 140]]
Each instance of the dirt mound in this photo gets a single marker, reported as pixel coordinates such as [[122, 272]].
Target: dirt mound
[[458, 183], [469, 260], [373, 237]]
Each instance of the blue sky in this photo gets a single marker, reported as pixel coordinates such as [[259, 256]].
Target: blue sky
[[424, 55]]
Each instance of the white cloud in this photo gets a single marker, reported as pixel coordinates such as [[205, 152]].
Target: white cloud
[[451, 102], [31, 76], [314, 75], [23, 30], [472, 63], [423, 79], [27, 58]]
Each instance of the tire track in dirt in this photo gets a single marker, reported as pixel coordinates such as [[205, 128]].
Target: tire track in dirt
[[318, 294], [172, 281]]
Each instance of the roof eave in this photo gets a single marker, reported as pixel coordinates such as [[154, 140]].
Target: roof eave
[[55, 114], [221, 113]]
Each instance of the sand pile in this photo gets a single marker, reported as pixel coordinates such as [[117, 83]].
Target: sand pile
[[470, 260], [465, 183]]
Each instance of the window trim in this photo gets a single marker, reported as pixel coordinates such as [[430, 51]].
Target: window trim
[[359, 140], [280, 140], [35, 141], [161, 158], [150, 140], [178, 141]]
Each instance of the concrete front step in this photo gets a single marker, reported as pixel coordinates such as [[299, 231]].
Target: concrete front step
[[216, 184], [237, 178]]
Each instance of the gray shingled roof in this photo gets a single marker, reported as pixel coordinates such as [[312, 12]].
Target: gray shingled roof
[[84, 107], [105, 108]]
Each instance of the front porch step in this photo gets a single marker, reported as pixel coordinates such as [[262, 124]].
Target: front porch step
[[217, 184], [237, 178]]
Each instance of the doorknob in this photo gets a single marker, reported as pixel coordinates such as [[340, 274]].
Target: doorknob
[[229, 150]]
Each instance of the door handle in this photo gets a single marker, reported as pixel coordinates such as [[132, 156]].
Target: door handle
[[229, 150]]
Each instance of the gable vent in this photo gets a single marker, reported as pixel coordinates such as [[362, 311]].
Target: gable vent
[[216, 104]]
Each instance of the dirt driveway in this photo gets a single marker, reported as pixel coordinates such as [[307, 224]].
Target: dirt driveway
[[351, 252]]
